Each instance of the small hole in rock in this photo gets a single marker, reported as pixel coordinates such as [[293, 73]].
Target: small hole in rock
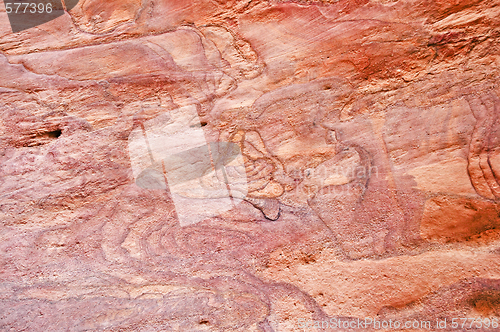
[[54, 134], [203, 124]]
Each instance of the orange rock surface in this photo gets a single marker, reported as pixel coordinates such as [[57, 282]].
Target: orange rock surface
[[245, 165]]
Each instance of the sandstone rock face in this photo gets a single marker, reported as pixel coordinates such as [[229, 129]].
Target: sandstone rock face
[[250, 166]]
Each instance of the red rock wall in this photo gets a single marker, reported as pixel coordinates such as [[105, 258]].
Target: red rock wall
[[369, 136]]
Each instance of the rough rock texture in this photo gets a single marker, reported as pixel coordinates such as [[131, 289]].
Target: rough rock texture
[[369, 135]]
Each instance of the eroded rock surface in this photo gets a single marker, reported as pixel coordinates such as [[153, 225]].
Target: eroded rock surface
[[335, 160]]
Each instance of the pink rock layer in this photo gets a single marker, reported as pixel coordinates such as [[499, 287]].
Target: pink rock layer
[[370, 136]]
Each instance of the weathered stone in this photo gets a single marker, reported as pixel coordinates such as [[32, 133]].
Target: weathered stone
[[249, 165]]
